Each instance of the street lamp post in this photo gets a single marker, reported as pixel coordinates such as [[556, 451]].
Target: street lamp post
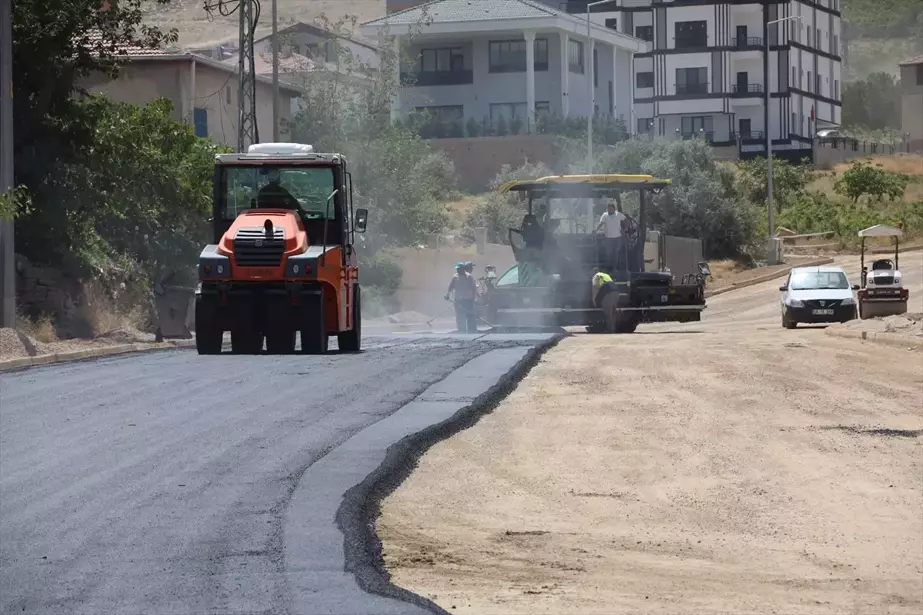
[[591, 91], [770, 243]]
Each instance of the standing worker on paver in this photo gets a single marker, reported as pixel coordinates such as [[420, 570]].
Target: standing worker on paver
[[612, 221], [463, 289]]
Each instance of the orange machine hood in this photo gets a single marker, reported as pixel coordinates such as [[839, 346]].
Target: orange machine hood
[[282, 220]]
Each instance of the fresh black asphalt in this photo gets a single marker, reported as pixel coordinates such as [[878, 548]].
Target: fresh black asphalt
[[175, 483]]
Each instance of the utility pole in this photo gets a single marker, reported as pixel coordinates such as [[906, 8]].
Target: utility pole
[[590, 66], [248, 132], [275, 72], [770, 208], [7, 252]]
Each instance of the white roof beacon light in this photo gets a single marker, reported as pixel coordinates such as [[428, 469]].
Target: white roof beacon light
[[280, 149]]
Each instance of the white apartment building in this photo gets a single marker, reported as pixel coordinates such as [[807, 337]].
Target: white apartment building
[[707, 72], [511, 59]]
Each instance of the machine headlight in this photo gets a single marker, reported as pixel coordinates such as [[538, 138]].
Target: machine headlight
[[848, 301], [897, 279], [794, 303]]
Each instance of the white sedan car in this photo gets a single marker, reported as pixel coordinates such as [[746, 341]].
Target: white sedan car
[[817, 295]]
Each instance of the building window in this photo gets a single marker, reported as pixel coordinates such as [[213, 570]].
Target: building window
[[691, 34], [445, 60], [542, 108], [691, 81], [644, 80], [645, 33], [645, 125], [835, 47], [791, 128], [510, 56], [694, 126], [612, 23], [794, 78], [575, 56], [817, 39], [810, 38], [810, 82], [836, 89], [818, 87], [443, 114], [200, 121]]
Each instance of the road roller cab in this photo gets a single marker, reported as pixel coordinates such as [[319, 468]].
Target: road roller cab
[[881, 290], [282, 263]]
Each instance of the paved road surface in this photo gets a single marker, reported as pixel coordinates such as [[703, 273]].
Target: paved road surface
[[174, 483]]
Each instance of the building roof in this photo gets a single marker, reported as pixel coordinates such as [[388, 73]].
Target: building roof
[[913, 61], [442, 11], [452, 17], [301, 26]]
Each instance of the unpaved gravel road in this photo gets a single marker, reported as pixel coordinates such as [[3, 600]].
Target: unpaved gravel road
[[727, 466]]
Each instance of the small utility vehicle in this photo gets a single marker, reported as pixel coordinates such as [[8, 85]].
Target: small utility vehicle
[[882, 292]]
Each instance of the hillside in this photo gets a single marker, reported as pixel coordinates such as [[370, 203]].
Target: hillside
[[197, 29], [880, 34]]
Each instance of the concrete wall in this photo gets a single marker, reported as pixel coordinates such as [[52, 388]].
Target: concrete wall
[[478, 159], [826, 156]]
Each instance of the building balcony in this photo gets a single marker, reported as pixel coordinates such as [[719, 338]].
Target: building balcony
[[691, 88], [431, 78], [708, 135], [748, 41], [747, 89], [752, 136]]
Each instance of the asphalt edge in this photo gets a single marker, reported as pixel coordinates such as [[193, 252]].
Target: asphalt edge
[[766, 278], [90, 353], [361, 505], [879, 337]]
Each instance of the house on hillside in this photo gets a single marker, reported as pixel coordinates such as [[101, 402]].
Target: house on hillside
[[305, 52], [203, 91], [702, 74], [476, 59], [912, 102]]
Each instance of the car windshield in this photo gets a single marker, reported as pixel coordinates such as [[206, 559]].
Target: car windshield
[[248, 187], [816, 280]]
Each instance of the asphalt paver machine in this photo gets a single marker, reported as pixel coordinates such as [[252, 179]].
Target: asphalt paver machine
[[558, 251]]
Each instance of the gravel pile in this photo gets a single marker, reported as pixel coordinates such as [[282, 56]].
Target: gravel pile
[[15, 345], [903, 324]]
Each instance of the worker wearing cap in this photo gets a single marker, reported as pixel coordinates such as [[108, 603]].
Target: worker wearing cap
[[463, 288]]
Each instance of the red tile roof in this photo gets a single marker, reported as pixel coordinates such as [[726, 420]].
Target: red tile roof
[[913, 61], [95, 39]]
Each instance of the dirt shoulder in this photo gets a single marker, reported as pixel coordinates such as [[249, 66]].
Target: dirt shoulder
[[16, 344], [702, 471]]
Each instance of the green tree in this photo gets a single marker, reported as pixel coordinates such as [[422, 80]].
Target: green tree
[[701, 202], [135, 206], [56, 45], [872, 103], [499, 212], [401, 180], [788, 181], [863, 179]]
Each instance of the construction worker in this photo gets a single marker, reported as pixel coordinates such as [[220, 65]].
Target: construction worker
[[605, 296], [611, 222], [463, 289]]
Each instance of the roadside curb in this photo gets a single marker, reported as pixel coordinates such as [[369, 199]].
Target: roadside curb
[[766, 278], [90, 353], [879, 337], [361, 505]]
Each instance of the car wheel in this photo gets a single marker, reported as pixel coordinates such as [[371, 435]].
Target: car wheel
[[787, 322]]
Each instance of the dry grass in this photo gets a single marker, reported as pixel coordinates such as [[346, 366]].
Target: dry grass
[[40, 328], [909, 164], [105, 315], [196, 28]]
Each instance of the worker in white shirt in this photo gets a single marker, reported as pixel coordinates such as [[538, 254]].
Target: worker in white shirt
[[612, 221]]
